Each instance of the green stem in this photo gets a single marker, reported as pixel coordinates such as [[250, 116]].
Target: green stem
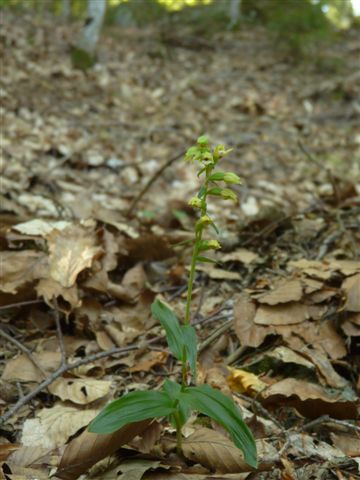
[[192, 276], [178, 434]]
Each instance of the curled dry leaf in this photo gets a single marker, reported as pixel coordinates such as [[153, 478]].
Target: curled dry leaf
[[52, 427], [245, 382], [80, 391], [349, 444], [217, 452], [71, 251], [50, 290], [286, 291], [88, 448], [310, 399]]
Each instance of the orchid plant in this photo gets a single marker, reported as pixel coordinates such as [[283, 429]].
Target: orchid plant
[[176, 400]]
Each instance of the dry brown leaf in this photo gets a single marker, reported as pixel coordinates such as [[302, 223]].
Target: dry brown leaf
[[310, 399], [351, 287], [26, 456], [349, 444], [133, 469], [324, 367], [214, 451], [249, 334], [52, 427], [80, 391], [21, 268], [22, 369], [241, 255], [88, 448], [7, 449], [72, 250], [40, 227], [346, 267], [288, 291], [287, 355], [218, 273], [305, 446], [51, 290], [289, 314], [147, 439], [148, 361], [245, 382]]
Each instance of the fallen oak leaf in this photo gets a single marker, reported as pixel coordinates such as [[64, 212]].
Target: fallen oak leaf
[[89, 448]]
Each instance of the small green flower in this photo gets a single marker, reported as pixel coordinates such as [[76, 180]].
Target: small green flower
[[209, 245], [195, 202], [205, 220], [231, 177]]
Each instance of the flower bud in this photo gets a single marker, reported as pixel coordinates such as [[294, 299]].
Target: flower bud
[[228, 194], [231, 177]]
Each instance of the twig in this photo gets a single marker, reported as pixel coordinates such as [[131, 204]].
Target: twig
[[327, 418], [20, 304], [236, 354], [24, 349], [60, 371], [60, 336], [267, 414], [219, 331], [152, 180]]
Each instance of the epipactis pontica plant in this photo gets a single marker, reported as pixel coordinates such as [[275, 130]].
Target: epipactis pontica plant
[[175, 400]]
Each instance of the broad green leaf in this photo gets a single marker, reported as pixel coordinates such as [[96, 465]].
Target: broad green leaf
[[216, 176], [173, 389], [205, 259], [223, 410], [133, 407], [172, 327], [190, 343]]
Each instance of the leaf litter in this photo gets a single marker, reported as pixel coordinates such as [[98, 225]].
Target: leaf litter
[[288, 281]]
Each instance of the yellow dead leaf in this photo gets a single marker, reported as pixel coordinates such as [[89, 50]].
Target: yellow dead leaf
[[245, 382]]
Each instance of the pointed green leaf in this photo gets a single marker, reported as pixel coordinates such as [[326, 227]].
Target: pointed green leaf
[[190, 342], [133, 407], [215, 191], [205, 259], [201, 192], [223, 410], [216, 176], [172, 327]]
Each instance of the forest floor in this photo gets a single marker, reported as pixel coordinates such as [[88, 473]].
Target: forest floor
[[87, 245]]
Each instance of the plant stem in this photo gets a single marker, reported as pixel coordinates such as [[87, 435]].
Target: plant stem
[[178, 434], [192, 276]]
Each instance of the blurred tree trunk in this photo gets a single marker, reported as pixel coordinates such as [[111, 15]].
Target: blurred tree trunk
[[66, 9], [84, 53], [234, 13]]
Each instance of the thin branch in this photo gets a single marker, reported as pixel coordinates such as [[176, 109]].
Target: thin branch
[[60, 337], [20, 304], [60, 371], [216, 334], [328, 419], [153, 180], [24, 349]]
